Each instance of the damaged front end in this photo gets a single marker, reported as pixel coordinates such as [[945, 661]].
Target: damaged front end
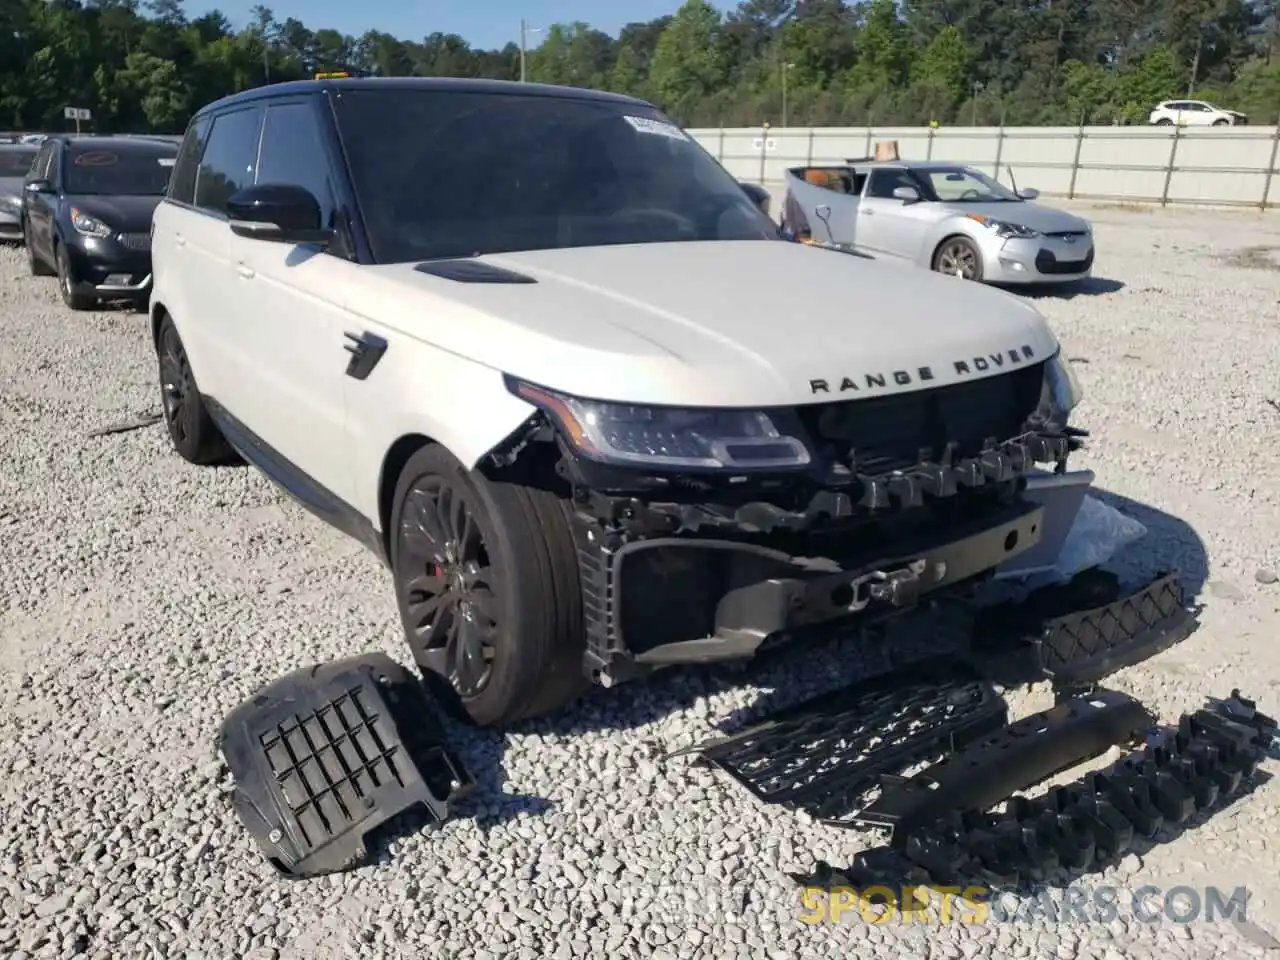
[[705, 535]]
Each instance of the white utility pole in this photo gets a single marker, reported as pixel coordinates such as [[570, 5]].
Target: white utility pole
[[785, 67], [525, 30]]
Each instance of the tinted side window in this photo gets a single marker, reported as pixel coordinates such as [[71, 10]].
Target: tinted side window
[[229, 158], [295, 153], [182, 185]]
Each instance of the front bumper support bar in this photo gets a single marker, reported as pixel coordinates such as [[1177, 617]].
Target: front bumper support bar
[[1024, 753]]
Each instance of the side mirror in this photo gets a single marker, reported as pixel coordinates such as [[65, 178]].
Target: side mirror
[[759, 196], [279, 212], [1028, 193], [38, 186], [907, 194]]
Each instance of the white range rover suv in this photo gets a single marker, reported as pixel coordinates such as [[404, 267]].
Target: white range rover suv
[[537, 349]]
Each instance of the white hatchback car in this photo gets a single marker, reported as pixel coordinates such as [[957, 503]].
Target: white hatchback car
[[1194, 113], [539, 351]]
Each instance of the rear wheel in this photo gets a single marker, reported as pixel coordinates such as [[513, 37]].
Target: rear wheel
[[486, 581], [66, 282], [958, 257], [192, 431], [1164, 122]]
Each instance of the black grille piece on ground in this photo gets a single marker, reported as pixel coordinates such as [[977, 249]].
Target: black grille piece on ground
[[825, 756], [1085, 645], [1206, 759], [328, 753], [881, 434]]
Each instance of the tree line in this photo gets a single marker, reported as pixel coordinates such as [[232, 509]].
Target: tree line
[[146, 67]]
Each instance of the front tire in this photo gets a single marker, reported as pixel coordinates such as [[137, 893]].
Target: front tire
[[486, 581], [192, 431], [1222, 122], [958, 257], [66, 282]]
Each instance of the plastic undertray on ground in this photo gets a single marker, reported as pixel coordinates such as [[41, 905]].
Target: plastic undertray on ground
[[825, 756], [1061, 634], [1207, 758], [328, 753]]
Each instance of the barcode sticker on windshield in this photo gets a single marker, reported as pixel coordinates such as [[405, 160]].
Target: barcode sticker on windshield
[[656, 127]]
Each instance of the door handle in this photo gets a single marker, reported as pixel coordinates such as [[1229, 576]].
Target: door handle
[[179, 240], [366, 350], [869, 212], [246, 271]]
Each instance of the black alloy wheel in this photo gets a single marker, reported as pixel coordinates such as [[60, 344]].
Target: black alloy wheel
[[447, 582], [176, 388]]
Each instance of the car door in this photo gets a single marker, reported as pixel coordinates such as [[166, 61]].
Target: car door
[[290, 319], [201, 241], [38, 207], [887, 226]]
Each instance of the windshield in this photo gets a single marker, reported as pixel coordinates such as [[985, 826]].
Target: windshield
[[965, 185], [16, 163], [135, 172], [446, 174]]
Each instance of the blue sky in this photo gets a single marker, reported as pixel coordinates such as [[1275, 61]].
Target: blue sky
[[485, 23]]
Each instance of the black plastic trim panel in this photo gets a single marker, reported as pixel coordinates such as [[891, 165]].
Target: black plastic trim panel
[[471, 271], [1021, 755], [1211, 756], [328, 753], [1086, 645], [826, 755]]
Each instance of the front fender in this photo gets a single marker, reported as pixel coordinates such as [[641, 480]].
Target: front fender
[[461, 405]]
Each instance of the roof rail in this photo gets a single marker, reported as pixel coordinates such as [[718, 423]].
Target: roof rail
[[860, 160]]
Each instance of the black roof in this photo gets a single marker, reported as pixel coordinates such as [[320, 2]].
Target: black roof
[[437, 84]]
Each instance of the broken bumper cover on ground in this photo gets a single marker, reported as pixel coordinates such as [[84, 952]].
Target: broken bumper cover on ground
[[757, 593], [328, 753], [1209, 757], [1086, 645]]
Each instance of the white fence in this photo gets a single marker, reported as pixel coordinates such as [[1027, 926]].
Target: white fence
[[1221, 166]]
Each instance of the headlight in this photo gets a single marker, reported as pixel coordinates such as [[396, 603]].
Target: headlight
[[704, 439], [1060, 392], [10, 203], [88, 226], [1002, 228]]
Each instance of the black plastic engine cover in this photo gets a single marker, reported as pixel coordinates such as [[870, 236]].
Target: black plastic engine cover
[[328, 753]]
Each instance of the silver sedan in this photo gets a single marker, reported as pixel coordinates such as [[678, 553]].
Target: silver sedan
[[943, 216], [15, 161]]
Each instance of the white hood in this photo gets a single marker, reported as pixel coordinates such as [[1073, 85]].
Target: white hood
[[732, 323]]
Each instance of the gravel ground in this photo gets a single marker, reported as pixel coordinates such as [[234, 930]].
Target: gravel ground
[[142, 598]]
